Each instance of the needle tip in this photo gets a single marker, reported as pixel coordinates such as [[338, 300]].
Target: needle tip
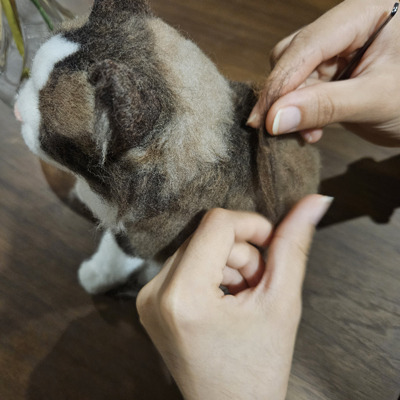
[[395, 8]]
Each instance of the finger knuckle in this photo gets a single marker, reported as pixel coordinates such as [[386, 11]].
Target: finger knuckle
[[171, 303], [302, 38], [326, 110], [176, 311], [169, 306], [274, 55], [144, 304], [216, 215]]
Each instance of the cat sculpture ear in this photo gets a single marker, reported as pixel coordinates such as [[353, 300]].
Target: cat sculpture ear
[[126, 107], [114, 8]]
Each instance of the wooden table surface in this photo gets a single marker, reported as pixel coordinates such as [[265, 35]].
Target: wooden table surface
[[57, 342]]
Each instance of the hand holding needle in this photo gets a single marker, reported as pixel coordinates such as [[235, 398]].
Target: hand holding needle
[[351, 66], [305, 92]]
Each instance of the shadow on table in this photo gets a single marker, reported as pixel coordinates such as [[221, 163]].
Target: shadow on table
[[368, 188], [94, 360]]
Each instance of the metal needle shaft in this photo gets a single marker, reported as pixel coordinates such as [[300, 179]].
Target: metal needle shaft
[[346, 73]]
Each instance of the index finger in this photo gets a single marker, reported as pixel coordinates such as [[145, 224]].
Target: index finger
[[207, 254], [340, 31]]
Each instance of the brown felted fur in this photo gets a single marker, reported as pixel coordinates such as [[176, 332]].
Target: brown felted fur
[[148, 125]]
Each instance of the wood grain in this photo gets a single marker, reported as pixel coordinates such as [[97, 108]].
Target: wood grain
[[56, 342]]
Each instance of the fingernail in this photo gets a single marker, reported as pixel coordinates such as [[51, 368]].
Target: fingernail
[[253, 119], [325, 203], [286, 120], [308, 137]]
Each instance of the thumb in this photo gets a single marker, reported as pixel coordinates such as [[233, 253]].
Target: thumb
[[316, 106], [288, 252]]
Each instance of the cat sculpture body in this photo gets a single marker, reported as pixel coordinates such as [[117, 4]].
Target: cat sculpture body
[[154, 134]]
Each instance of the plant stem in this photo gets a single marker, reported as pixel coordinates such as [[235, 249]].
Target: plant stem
[[12, 18], [43, 14]]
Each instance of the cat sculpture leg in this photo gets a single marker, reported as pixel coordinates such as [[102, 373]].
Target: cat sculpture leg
[[108, 267]]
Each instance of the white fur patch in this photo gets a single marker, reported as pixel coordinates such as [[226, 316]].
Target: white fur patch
[[108, 267], [53, 51]]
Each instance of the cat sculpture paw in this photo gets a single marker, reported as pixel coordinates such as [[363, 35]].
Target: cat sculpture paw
[[108, 268]]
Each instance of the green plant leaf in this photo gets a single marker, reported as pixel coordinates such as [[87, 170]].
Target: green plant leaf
[[1, 22], [43, 14], [26, 73], [11, 13]]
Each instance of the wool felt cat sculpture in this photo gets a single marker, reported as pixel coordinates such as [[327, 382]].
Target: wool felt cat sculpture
[[155, 135]]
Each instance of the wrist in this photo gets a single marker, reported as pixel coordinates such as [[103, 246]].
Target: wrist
[[227, 381]]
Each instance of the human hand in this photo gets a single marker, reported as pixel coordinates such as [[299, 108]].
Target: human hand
[[232, 346], [300, 94]]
